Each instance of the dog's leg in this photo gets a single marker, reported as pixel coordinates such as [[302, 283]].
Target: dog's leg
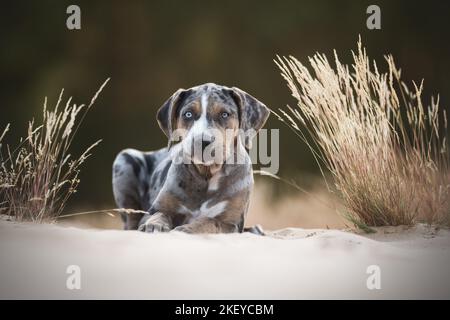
[[256, 229], [157, 222], [207, 225], [128, 187]]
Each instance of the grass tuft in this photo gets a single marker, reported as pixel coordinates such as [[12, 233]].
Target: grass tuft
[[387, 152], [38, 176]]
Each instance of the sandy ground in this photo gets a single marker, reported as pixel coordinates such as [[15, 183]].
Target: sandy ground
[[316, 210], [290, 263]]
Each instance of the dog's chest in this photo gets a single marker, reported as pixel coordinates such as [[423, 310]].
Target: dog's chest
[[194, 192], [199, 197]]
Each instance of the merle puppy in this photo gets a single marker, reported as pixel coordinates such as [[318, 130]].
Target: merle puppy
[[201, 182]]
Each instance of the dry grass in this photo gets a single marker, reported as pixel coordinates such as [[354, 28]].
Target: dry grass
[[387, 152], [38, 176]]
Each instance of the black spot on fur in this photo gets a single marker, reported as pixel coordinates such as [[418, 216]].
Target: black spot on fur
[[145, 184], [117, 170], [152, 210], [253, 116], [182, 184], [146, 202], [149, 162], [241, 224], [163, 175], [223, 95], [153, 179], [134, 163]]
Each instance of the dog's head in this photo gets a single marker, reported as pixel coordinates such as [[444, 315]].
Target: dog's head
[[210, 120]]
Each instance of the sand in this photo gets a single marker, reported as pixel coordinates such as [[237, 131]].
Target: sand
[[291, 263]]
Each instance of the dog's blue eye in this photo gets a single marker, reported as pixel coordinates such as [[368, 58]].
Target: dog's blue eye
[[225, 114], [188, 115]]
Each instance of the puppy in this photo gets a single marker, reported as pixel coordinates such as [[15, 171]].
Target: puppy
[[201, 182]]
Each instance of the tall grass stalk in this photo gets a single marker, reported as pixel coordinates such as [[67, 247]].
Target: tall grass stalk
[[387, 152], [38, 176]]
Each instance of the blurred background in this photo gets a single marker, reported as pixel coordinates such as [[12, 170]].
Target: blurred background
[[152, 48]]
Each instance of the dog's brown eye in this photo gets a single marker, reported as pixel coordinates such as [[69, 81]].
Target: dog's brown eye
[[188, 115], [225, 114]]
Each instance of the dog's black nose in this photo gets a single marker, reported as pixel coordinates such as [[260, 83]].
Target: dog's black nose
[[207, 139], [205, 143]]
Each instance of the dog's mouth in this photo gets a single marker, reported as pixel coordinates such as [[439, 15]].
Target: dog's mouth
[[205, 157]]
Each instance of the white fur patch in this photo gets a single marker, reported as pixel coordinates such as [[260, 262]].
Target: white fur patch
[[204, 210], [183, 210], [213, 184], [214, 210], [201, 124], [240, 185], [204, 104]]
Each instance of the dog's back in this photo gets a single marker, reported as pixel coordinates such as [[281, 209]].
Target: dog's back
[[137, 179]]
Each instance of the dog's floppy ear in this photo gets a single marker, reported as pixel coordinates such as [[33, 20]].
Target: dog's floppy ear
[[167, 114], [253, 114]]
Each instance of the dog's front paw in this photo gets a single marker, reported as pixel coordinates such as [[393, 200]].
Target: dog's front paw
[[183, 228], [154, 226]]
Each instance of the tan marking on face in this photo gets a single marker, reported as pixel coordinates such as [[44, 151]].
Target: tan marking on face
[[196, 109], [215, 113], [227, 127], [208, 117]]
